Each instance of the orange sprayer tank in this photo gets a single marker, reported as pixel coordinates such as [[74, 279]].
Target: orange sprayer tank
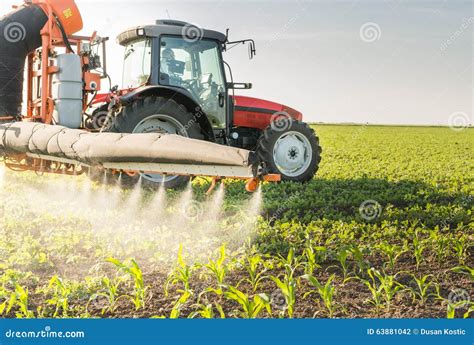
[[67, 12]]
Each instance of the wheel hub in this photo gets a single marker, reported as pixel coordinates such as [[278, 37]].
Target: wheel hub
[[292, 154]]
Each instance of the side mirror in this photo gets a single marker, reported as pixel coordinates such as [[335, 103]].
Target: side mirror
[[239, 86], [252, 50]]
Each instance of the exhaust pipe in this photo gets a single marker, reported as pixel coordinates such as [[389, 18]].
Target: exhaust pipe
[[19, 36]]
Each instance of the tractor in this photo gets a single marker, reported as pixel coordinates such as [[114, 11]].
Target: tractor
[[176, 81]]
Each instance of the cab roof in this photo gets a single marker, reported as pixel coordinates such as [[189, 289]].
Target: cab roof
[[169, 27]]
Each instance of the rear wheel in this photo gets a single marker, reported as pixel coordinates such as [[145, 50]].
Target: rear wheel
[[157, 115], [294, 152]]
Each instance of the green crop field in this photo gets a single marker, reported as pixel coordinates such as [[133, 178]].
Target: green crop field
[[384, 230]]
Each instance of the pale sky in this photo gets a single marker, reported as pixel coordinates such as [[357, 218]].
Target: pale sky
[[316, 56]]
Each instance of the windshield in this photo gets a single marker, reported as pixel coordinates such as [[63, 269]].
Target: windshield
[[196, 66], [137, 64]]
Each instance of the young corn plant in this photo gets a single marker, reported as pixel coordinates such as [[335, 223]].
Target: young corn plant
[[469, 312], [22, 296], [131, 268], [251, 307], [389, 285], [465, 270], [60, 298], [207, 311], [182, 274], [423, 285], [218, 268], [8, 303], [110, 292], [382, 287], [325, 292], [392, 252], [452, 307], [19, 298], [176, 311], [418, 249], [289, 283], [461, 247], [256, 268], [358, 257], [342, 256], [441, 244], [312, 255]]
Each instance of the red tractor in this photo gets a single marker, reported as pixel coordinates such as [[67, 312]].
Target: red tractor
[[175, 80]]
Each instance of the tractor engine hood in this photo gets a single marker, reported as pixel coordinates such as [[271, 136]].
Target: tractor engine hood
[[258, 113]]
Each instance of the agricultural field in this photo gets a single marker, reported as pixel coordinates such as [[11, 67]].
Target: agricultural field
[[384, 230]]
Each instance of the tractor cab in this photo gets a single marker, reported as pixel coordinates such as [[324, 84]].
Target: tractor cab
[[182, 57]]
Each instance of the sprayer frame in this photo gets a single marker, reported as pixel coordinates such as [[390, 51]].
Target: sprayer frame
[[39, 66]]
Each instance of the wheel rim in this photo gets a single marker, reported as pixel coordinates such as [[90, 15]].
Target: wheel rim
[[293, 154], [163, 124]]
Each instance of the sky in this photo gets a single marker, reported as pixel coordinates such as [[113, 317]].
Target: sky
[[352, 61]]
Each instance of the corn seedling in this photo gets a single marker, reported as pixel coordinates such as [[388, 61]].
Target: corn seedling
[[418, 249], [422, 288], [110, 292], [181, 274], [452, 307], [207, 311], [289, 283], [218, 268], [18, 298], [389, 285], [132, 269], [252, 265], [342, 256], [392, 252], [470, 311], [465, 270], [461, 248], [358, 257], [312, 254], [325, 292], [382, 287], [441, 245], [60, 298], [176, 311], [252, 307]]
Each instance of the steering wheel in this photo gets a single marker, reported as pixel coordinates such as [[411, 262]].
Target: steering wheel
[[192, 85]]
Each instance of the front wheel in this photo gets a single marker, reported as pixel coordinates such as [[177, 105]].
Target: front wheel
[[293, 152]]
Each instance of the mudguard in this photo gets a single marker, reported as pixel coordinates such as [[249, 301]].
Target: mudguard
[[181, 96]]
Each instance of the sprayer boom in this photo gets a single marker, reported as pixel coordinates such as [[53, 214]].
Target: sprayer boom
[[55, 149]]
